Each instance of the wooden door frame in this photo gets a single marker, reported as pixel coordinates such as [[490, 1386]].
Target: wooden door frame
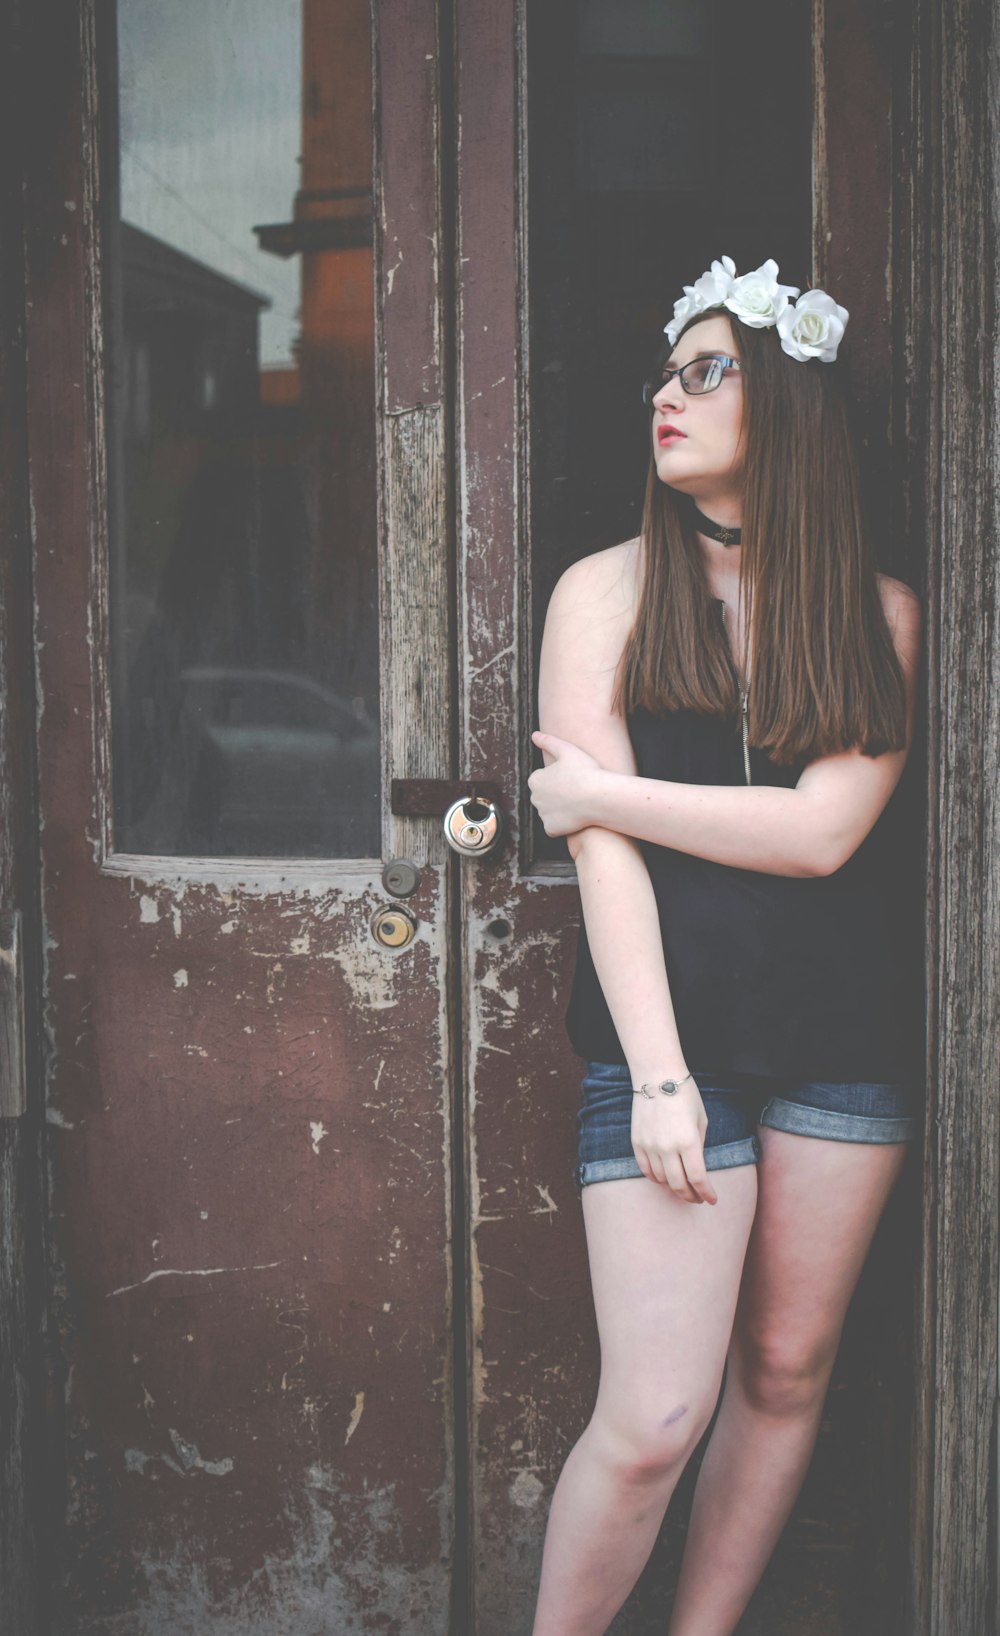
[[948, 211], [25, 1417]]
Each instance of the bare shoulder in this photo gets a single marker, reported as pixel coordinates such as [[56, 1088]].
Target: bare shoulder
[[601, 586], [589, 617], [898, 599], [902, 608]]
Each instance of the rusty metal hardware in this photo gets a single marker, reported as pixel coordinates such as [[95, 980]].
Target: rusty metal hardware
[[401, 878], [394, 926], [430, 797], [472, 826]]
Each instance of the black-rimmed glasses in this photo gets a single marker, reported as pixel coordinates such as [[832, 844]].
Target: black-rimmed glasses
[[700, 375]]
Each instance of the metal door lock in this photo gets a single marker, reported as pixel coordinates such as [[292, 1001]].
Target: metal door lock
[[401, 878], [472, 825], [394, 926]]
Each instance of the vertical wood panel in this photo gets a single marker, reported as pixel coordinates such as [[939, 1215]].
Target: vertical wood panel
[[852, 237], [24, 1535], [861, 1470], [949, 237], [412, 275]]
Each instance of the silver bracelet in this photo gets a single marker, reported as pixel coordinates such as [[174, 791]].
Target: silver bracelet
[[669, 1087]]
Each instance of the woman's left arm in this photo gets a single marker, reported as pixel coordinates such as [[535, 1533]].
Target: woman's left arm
[[809, 830]]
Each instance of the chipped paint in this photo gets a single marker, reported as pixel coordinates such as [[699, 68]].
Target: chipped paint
[[372, 973], [190, 1272], [188, 1459], [548, 1205], [356, 1413], [526, 1491], [332, 1573]]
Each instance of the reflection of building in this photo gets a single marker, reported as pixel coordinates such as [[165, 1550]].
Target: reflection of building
[[188, 369], [331, 226], [334, 382], [189, 339]]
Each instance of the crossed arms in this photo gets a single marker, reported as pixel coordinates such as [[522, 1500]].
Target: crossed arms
[[597, 800]]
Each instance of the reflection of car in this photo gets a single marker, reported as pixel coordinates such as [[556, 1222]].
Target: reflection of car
[[298, 765]]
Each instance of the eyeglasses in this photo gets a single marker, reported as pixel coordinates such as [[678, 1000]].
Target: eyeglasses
[[700, 375]]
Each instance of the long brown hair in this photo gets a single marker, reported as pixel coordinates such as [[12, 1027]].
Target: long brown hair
[[825, 675]]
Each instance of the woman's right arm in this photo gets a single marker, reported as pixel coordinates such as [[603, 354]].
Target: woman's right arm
[[587, 621]]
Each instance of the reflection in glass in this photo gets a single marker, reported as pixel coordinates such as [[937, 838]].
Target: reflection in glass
[[242, 417], [661, 134]]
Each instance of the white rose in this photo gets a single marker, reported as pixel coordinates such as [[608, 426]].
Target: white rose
[[713, 287], [684, 308], [757, 298], [710, 290], [813, 327]]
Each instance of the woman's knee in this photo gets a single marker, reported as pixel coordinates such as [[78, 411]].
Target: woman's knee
[[783, 1374], [643, 1440]]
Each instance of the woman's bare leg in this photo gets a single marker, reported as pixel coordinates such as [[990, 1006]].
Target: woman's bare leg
[[665, 1277], [818, 1206]]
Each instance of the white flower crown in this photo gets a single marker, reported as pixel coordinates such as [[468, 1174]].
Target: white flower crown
[[812, 327]]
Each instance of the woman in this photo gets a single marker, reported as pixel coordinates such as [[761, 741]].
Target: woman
[[736, 997]]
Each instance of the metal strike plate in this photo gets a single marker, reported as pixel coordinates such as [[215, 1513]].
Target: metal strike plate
[[401, 878], [472, 826], [430, 797], [394, 926]]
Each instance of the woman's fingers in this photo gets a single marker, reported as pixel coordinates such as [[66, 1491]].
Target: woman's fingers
[[677, 1179], [644, 1158], [697, 1175], [681, 1169]]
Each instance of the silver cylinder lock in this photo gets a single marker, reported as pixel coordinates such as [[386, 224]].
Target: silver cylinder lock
[[472, 825]]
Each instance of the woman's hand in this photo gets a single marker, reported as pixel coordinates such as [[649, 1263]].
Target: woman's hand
[[668, 1139], [563, 793]]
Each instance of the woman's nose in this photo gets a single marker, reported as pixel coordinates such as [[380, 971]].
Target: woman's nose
[[670, 396]]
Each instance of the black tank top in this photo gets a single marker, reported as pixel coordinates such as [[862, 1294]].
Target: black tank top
[[805, 977]]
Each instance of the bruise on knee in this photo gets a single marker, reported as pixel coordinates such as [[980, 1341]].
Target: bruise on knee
[[676, 1414]]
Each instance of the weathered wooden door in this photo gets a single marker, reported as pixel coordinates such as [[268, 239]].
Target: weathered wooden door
[[337, 319], [238, 411]]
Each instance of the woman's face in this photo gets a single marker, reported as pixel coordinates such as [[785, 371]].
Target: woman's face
[[706, 462]]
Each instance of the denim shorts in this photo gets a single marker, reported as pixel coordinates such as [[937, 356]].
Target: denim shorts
[[736, 1104]]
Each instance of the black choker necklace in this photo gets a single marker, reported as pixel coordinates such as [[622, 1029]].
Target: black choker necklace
[[715, 531]]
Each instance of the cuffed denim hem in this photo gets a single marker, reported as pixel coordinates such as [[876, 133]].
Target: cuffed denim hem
[[747, 1151], [800, 1120], [723, 1156], [606, 1170]]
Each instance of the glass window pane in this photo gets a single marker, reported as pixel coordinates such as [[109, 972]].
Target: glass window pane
[[242, 419], [661, 135]]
